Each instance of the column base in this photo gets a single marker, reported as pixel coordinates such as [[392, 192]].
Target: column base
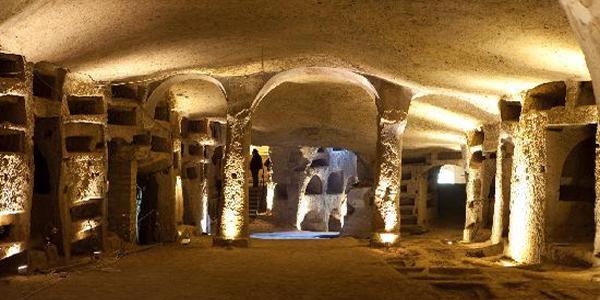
[[237, 243], [385, 240]]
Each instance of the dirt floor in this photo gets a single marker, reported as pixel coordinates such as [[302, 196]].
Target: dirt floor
[[427, 266]]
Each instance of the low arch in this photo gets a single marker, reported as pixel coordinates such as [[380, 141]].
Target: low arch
[[161, 92], [335, 183], [312, 75], [314, 186]]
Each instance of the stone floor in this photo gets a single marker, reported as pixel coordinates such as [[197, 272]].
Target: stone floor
[[427, 266]]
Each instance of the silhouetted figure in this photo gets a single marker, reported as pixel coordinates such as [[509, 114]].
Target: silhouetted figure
[[256, 165]]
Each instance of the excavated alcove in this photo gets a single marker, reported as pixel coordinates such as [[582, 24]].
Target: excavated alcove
[[124, 92], [12, 141], [319, 163], [195, 150], [315, 186], [45, 217], [122, 116], [162, 113], [12, 110], [85, 105], [198, 126], [160, 144], [44, 86], [476, 159], [83, 137], [335, 183], [147, 209], [586, 94], [571, 184], [547, 96], [11, 66], [510, 110], [446, 198], [80, 144], [216, 130]]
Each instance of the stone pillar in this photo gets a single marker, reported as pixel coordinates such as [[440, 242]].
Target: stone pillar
[[392, 107], [122, 176], [233, 229], [528, 191], [386, 222], [474, 209], [423, 184], [502, 196], [16, 153], [167, 214], [474, 204], [597, 204]]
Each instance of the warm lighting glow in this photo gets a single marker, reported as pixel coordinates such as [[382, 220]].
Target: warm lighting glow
[[22, 269], [8, 250], [388, 238], [84, 228], [270, 196], [205, 220], [442, 116], [451, 174], [179, 199], [231, 225]]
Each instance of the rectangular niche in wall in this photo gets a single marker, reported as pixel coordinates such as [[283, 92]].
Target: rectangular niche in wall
[[191, 173], [510, 110], [5, 233], [122, 116], [12, 66], [85, 105], [12, 110], [215, 128], [547, 96], [195, 150], [87, 210], [586, 94], [414, 160], [142, 139], [161, 113], [197, 126], [160, 144], [451, 155], [79, 144], [43, 85], [124, 92], [12, 141]]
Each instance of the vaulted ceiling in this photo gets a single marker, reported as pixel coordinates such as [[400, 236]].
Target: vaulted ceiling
[[460, 55]]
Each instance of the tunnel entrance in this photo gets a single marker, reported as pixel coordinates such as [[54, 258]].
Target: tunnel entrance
[[45, 230], [446, 196], [571, 212], [147, 209], [570, 192]]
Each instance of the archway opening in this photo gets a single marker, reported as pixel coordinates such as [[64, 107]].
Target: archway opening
[[570, 193], [46, 225], [443, 193], [314, 187]]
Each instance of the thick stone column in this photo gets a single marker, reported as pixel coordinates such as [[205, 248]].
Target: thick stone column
[[386, 220], [502, 196], [528, 190], [233, 229], [597, 204], [392, 106], [474, 202], [474, 209], [422, 216]]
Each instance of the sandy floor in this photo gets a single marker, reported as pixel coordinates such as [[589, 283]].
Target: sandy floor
[[344, 268]]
